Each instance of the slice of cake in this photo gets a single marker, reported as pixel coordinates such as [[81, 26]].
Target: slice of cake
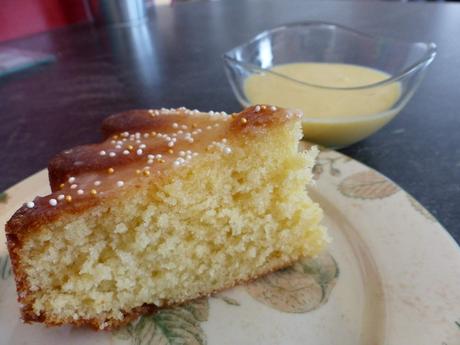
[[173, 205]]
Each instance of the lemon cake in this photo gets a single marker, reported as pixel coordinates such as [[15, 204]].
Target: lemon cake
[[173, 205]]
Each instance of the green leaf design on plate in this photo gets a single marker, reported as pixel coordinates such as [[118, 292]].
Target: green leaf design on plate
[[173, 326], [5, 267], [367, 185], [3, 197], [228, 300], [299, 289]]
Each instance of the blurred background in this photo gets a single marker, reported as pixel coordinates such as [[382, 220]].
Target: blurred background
[[19, 18]]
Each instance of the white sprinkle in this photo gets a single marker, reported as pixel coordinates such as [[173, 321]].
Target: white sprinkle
[[257, 108], [180, 131], [139, 152], [73, 186], [61, 197], [189, 156], [211, 113], [71, 179], [196, 111], [150, 161], [181, 153], [176, 163], [224, 140], [113, 142], [189, 139], [126, 152], [273, 108], [150, 156], [195, 132], [142, 146], [146, 135], [30, 204], [137, 135], [227, 150], [174, 135], [208, 127], [124, 139], [138, 141], [157, 112], [124, 134], [171, 144], [216, 125], [183, 126], [80, 192], [195, 154], [158, 156], [118, 147], [224, 113], [53, 202], [112, 154], [120, 183], [175, 125], [199, 130], [97, 183], [102, 153]]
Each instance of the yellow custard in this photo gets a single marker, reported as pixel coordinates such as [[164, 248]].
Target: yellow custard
[[333, 115]]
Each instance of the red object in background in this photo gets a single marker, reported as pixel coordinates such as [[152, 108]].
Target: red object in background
[[25, 17]]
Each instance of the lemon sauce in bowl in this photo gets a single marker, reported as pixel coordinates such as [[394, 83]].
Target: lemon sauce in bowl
[[338, 107]]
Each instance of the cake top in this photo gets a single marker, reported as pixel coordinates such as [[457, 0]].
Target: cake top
[[141, 144]]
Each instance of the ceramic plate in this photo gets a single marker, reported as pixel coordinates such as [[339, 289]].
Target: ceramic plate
[[391, 276]]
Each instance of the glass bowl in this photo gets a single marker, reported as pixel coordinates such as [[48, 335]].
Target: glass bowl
[[403, 65]]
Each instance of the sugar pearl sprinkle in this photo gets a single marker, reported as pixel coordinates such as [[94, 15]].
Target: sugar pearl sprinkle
[[175, 141]]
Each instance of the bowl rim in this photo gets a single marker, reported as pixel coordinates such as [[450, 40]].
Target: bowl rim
[[424, 61]]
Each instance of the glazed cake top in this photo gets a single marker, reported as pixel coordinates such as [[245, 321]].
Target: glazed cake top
[[139, 145]]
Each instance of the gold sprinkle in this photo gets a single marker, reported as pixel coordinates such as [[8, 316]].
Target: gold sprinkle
[[115, 137], [68, 198], [146, 173], [138, 172], [61, 185], [130, 147], [110, 170], [194, 125], [244, 120], [161, 161], [93, 192], [170, 151], [153, 133]]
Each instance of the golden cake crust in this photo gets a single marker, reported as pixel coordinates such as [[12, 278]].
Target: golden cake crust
[[86, 158]]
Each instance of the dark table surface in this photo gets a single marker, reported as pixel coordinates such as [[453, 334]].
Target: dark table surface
[[175, 60]]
